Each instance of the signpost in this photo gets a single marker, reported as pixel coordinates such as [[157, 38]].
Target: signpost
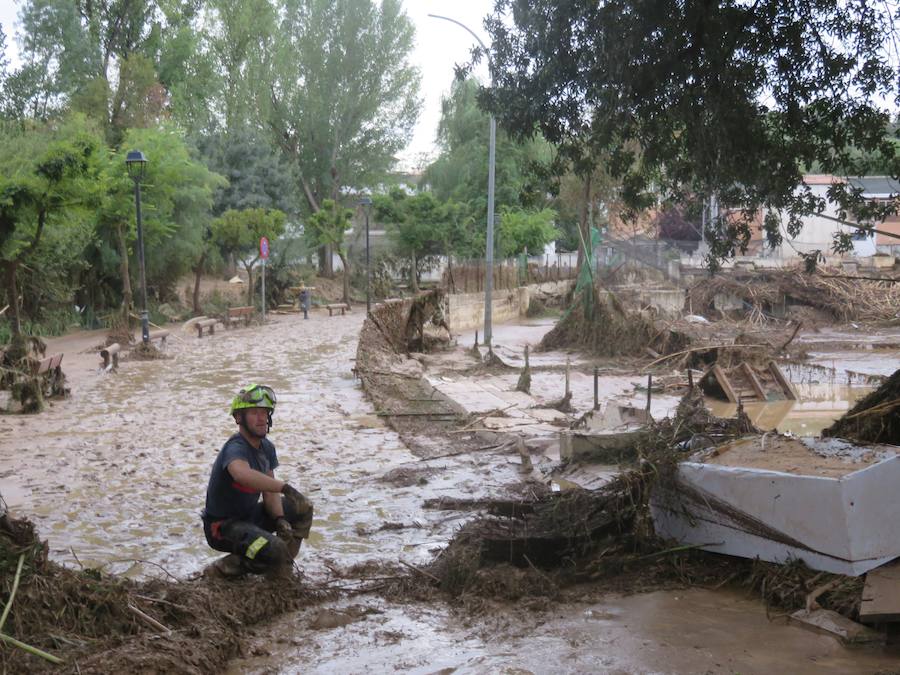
[[264, 255]]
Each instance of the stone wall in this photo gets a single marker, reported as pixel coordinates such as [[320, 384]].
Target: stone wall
[[466, 310]]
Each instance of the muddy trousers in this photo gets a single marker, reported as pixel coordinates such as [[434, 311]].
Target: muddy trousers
[[253, 538]]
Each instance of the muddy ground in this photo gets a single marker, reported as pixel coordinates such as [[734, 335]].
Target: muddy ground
[[114, 478]]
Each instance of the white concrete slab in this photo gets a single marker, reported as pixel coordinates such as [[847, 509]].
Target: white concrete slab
[[846, 525]]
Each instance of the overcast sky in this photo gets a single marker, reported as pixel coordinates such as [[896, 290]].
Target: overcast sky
[[439, 45]]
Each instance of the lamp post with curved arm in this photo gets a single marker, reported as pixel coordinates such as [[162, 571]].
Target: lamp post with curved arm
[[489, 244]]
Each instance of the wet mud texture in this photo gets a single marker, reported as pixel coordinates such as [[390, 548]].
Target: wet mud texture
[[93, 621]]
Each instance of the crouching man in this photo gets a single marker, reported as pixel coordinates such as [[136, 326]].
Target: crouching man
[[259, 536]]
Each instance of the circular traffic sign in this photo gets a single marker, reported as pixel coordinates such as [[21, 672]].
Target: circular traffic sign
[[263, 248]]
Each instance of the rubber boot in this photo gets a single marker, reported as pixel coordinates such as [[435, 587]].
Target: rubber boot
[[228, 567]]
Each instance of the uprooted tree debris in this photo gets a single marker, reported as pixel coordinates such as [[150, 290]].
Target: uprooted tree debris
[[828, 295], [874, 419], [539, 547], [96, 623]]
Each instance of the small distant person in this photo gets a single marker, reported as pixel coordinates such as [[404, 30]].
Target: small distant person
[[259, 535]]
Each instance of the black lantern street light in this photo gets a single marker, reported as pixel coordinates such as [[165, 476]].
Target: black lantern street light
[[366, 203], [137, 164]]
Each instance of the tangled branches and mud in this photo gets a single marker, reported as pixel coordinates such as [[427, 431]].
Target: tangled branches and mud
[[98, 623]]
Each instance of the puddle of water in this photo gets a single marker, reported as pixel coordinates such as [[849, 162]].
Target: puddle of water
[[819, 405], [692, 631]]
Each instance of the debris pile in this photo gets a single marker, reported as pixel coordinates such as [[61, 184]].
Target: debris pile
[[874, 419], [831, 295], [598, 323], [97, 623]]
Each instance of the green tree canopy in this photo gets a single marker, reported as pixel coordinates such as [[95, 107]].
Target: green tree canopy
[[46, 181], [526, 231], [460, 172], [341, 96], [417, 226], [726, 99], [239, 232]]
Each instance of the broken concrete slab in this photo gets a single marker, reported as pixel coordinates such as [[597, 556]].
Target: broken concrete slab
[[831, 623], [832, 519], [881, 595]]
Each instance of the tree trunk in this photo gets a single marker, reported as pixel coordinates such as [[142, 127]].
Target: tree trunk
[[198, 272], [414, 276], [127, 296], [249, 268], [345, 262], [584, 225], [12, 296]]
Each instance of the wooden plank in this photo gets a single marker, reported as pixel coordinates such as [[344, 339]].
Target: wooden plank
[[782, 381], [753, 380], [881, 595], [722, 378]]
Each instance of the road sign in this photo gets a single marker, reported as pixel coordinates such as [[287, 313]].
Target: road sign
[[263, 248]]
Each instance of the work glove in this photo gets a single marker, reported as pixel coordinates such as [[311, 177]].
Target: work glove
[[283, 530], [301, 504]]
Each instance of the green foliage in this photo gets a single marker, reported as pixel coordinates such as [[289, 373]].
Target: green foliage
[[522, 231], [460, 172], [327, 226], [344, 112], [727, 99], [239, 232]]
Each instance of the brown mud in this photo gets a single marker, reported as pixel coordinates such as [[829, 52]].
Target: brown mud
[[128, 481]]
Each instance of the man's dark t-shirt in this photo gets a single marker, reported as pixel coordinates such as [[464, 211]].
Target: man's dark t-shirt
[[225, 497]]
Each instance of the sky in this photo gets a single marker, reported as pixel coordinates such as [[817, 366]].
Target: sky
[[439, 45]]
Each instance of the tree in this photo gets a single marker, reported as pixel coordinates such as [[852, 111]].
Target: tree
[[415, 225], [176, 196], [239, 232], [44, 175], [326, 227], [341, 96], [460, 172], [728, 100], [526, 231]]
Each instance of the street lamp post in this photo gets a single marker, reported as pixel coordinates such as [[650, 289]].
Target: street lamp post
[[366, 203], [136, 164], [489, 244]]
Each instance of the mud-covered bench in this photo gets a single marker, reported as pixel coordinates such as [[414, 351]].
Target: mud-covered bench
[[209, 325], [342, 306], [50, 371], [237, 315]]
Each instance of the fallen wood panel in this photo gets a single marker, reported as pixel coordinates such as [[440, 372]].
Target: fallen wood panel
[[783, 381], [724, 383], [881, 595], [754, 381]]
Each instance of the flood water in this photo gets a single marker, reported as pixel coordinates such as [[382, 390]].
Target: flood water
[[115, 477]]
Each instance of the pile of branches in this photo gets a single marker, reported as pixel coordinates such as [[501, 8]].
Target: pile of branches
[[875, 418], [839, 296], [90, 622], [598, 324]]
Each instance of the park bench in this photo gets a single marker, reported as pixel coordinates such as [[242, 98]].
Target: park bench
[[342, 306], [208, 324], [50, 364], [238, 314], [110, 356], [50, 370], [161, 335]]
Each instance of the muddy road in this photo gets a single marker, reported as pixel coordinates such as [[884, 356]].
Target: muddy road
[[115, 477]]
